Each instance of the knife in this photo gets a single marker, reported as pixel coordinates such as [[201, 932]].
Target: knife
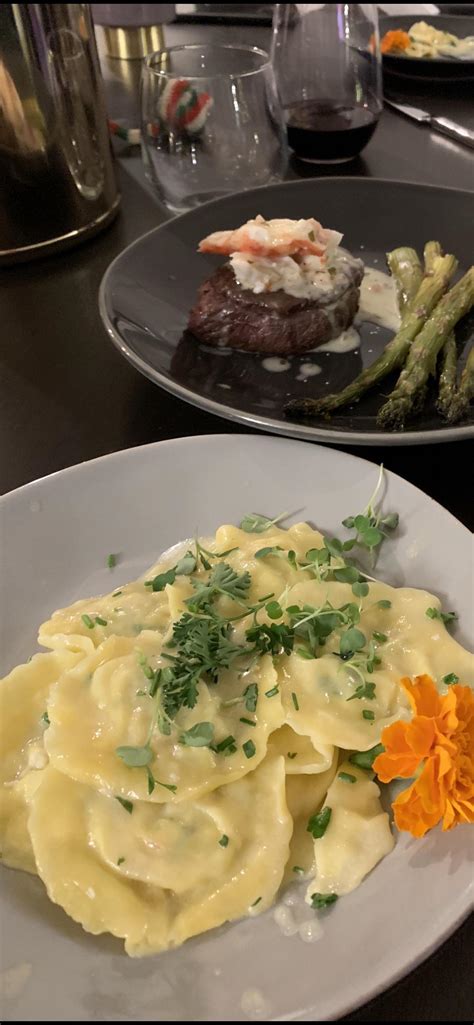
[[438, 124]]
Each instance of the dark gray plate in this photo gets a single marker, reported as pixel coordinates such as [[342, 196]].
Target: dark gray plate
[[433, 68], [148, 290]]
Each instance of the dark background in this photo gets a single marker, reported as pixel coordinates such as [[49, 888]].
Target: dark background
[[67, 396]]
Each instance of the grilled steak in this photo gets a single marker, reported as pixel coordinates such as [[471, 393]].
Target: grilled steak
[[226, 314]]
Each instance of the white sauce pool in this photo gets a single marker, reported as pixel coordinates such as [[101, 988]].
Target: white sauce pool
[[345, 342], [275, 364], [308, 370], [378, 300]]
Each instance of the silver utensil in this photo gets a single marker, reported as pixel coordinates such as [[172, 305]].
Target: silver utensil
[[438, 124]]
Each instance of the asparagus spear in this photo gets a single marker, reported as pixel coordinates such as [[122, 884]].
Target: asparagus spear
[[431, 252], [394, 354], [422, 356], [447, 376], [407, 272], [448, 354], [465, 392]]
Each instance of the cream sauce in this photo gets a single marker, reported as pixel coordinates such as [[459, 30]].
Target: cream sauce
[[275, 364], [378, 300], [308, 370], [345, 342]]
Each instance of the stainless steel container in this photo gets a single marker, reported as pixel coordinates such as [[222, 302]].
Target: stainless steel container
[[57, 182]]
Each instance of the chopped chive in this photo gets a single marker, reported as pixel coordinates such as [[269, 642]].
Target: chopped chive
[[321, 900], [249, 722], [292, 754], [451, 678], [87, 621], [249, 748], [381, 638], [257, 901], [111, 560], [116, 594], [251, 697], [45, 719], [347, 777], [100, 621], [128, 805], [299, 871], [224, 840], [318, 823], [384, 603], [224, 744], [367, 714], [120, 861], [271, 693], [295, 701]]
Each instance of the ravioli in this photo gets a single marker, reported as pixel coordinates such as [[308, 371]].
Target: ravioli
[[304, 797], [175, 879], [23, 701], [358, 835], [101, 706], [328, 710]]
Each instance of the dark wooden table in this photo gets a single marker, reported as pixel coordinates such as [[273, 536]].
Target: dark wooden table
[[67, 396]]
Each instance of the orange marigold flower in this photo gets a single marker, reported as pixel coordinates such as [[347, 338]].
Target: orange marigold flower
[[395, 41], [436, 746]]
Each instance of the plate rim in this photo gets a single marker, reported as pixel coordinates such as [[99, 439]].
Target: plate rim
[[456, 918], [73, 468], [290, 429]]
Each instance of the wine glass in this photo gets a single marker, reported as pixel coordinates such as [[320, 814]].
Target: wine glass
[[211, 122], [328, 69]]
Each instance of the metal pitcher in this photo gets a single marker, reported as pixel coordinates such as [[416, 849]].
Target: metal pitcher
[[57, 182]]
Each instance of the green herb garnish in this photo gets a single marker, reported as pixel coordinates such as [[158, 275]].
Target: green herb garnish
[[318, 823], [224, 745], [120, 861], [128, 805], [251, 697], [291, 754], [380, 638], [347, 777], [87, 621], [322, 900], [271, 693], [445, 617], [253, 523], [135, 757], [45, 718], [364, 690], [367, 714], [224, 840], [111, 561], [249, 748], [299, 871], [200, 735], [257, 901], [295, 701], [248, 722], [365, 759], [451, 678]]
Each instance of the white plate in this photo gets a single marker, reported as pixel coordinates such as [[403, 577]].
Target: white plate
[[58, 533]]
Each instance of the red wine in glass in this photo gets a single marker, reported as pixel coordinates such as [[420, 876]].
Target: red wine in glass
[[326, 132]]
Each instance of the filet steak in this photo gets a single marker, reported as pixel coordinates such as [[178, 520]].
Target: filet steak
[[226, 314]]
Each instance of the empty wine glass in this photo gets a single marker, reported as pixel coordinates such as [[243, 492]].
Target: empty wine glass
[[211, 122], [328, 70]]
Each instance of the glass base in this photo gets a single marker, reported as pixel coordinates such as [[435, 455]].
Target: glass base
[[319, 160]]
